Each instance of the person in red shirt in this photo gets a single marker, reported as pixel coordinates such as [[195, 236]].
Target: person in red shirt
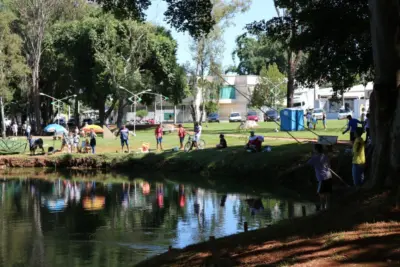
[[254, 143], [159, 135], [181, 134]]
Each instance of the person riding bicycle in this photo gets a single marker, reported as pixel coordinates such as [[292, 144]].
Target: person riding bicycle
[[197, 135]]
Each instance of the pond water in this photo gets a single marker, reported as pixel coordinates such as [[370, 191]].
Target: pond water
[[87, 223]]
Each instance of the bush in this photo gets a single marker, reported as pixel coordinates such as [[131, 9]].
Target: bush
[[142, 113]]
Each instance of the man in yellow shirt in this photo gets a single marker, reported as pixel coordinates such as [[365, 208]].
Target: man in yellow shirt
[[358, 158]]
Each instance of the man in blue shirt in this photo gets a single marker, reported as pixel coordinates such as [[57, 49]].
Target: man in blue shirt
[[124, 135], [352, 126]]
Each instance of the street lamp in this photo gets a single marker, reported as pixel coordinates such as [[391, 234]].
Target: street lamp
[[134, 100], [58, 101]]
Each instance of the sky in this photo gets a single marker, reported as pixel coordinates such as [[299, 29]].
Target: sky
[[260, 9]]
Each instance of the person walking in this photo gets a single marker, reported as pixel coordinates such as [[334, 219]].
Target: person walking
[[124, 136], [358, 159], [28, 130], [93, 142], [159, 136], [197, 135], [352, 127], [366, 126], [181, 134]]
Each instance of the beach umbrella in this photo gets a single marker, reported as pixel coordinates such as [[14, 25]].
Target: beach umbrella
[[51, 128], [95, 203], [95, 128]]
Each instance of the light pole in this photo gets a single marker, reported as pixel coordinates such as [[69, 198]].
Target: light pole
[[58, 101], [135, 98]]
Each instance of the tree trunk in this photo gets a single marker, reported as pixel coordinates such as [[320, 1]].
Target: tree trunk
[[121, 106], [385, 99], [290, 83], [36, 96]]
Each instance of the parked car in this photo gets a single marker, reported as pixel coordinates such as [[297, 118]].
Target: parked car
[[235, 117], [252, 116], [318, 113], [271, 115], [343, 113], [213, 117]]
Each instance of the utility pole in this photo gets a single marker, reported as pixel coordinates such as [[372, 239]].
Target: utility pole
[[3, 123]]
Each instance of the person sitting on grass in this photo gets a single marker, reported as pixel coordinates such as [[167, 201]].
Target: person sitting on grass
[[222, 142], [320, 162], [358, 159], [254, 143]]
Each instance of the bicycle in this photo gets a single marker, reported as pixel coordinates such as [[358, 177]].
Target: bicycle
[[201, 144]]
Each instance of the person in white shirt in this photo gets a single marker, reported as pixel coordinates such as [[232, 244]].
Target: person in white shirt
[[15, 129], [197, 135], [28, 130]]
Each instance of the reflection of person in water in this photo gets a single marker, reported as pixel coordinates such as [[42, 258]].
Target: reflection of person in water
[[223, 200], [182, 198], [125, 195], [146, 188], [255, 205], [160, 195]]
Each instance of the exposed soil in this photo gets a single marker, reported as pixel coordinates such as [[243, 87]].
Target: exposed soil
[[363, 233]]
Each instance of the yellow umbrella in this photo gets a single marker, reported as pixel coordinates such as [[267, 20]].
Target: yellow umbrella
[[95, 128]]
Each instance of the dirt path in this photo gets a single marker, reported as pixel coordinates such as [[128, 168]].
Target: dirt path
[[361, 234]]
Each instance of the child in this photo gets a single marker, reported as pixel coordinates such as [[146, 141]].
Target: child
[[320, 162], [181, 134], [314, 122], [76, 142], [70, 142], [358, 158], [222, 142]]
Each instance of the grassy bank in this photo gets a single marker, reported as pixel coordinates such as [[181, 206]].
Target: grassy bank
[[352, 233]]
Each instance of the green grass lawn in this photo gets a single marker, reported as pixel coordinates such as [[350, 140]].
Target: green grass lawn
[[210, 134]]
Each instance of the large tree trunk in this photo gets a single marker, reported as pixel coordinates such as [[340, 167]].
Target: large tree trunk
[[385, 99], [290, 83], [121, 106], [36, 96]]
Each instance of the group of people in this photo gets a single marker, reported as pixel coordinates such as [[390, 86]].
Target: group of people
[[320, 159], [159, 133], [26, 129], [312, 120], [72, 141]]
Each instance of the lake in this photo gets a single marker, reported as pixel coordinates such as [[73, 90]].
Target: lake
[[60, 222]]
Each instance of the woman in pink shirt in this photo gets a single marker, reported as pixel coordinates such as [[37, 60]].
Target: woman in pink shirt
[[181, 134], [159, 134]]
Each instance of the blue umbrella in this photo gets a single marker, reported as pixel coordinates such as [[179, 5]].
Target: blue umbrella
[[51, 128]]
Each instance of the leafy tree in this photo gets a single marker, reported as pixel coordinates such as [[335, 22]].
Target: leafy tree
[[207, 51], [284, 28], [142, 113], [257, 52], [270, 90], [211, 107], [191, 16], [13, 67]]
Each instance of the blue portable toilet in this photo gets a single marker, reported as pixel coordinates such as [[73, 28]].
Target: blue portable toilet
[[288, 119], [299, 120], [292, 119]]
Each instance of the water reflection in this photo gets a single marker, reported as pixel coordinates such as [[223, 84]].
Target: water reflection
[[89, 223]]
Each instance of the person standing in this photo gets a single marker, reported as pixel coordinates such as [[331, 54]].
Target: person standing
[[15, 129], [320, 162], [93, 142], [352, 127], [324, 120], [124, 136], [76, 130], [366, 126], [197, 135], [24, 129], [159, 136], [181, 134], [28, 130], [76, 141], [358, 159]]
